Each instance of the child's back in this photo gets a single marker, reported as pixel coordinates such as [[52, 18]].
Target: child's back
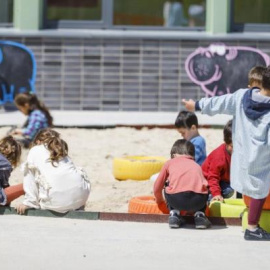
[[62, 187], [250, 173], [51, 180]]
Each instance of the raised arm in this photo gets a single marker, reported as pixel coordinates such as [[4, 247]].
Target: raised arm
[[225, 104]]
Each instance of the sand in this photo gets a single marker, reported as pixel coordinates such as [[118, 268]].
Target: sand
[[94, 150]]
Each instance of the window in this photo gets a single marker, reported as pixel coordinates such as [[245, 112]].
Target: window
[[251, 15], [75, 13], [74, 10], [125, 14], [159, 13], [6, 13]]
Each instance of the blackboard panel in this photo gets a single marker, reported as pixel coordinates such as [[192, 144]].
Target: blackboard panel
[[17, 70], [221, 69]]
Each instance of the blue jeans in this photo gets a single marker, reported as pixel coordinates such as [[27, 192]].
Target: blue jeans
[[226, 191]]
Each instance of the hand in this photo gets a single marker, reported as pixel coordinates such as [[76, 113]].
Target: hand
[[218, 198], [21, 209], [189, 104]]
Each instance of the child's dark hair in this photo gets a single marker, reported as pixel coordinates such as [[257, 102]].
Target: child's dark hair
[[227, 132], [34, 104], [255, 75], [57, 147], [11, 149], [183, 147], [266, 78], [186, 119]]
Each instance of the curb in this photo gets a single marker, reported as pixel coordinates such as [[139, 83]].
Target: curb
[[127, 217]]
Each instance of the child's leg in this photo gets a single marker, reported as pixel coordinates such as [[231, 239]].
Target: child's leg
[[14, 192], [188, 201], [255, 232], [255, 210], [226, 189]]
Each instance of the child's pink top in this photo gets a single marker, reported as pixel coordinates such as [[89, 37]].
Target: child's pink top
[[183, 174]]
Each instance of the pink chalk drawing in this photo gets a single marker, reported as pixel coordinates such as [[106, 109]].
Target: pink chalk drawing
[[219, 69]]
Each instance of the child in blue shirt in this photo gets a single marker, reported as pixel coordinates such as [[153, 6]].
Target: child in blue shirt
[[39, 117], [187, 125]]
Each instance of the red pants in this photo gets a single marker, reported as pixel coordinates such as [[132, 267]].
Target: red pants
[[255, 210], [14, 192]]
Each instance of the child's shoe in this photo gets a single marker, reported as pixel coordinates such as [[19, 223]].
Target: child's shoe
[[258, 235], [201, 221], [175, 220]]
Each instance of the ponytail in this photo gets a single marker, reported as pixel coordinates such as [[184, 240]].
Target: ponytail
[[58, 149]]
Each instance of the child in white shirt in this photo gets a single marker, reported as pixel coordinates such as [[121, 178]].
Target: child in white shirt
[[51, 180]]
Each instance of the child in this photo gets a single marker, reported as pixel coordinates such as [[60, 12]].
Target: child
[[10, 153], [185, 186], [187, 125], [51, 180], [216, 168], [255, 77], [38, 117], [250, 173]]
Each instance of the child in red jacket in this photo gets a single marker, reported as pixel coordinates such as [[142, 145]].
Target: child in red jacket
[[216, 168], [185, 186]]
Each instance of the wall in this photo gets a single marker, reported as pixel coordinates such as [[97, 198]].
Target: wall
[[106, 73]]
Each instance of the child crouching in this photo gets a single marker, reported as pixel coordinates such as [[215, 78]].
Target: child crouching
[[185, 186], [10, 154], [51, 180]]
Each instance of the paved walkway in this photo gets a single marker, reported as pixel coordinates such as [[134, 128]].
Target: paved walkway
[[100, 119], [37, 243]]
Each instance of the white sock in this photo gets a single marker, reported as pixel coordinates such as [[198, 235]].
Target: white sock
[[174, 211], [253, 230], [199, 213]]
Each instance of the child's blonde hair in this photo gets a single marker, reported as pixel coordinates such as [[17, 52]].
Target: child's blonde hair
[[255, 75], [11, 149], [57, 147]]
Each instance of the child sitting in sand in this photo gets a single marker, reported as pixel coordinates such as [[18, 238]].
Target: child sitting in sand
[[185, 186], [216, 168], [10, 153], [51, 180], [187, 125], [38, 117]]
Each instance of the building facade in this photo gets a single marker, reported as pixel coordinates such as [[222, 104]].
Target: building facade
[[115, 55]]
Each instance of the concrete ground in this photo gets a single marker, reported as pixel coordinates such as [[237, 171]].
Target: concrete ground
[[37, 243]]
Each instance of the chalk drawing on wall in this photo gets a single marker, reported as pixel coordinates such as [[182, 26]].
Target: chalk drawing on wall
[[219, 69], [17, 70]]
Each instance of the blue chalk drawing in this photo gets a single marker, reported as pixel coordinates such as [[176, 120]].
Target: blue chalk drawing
[[17, 70]]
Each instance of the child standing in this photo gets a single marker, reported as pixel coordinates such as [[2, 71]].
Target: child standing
[[51, 180], [38, 117], [187, 125], [185, 186], [250, 173], [10, 153], [216, 168]]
